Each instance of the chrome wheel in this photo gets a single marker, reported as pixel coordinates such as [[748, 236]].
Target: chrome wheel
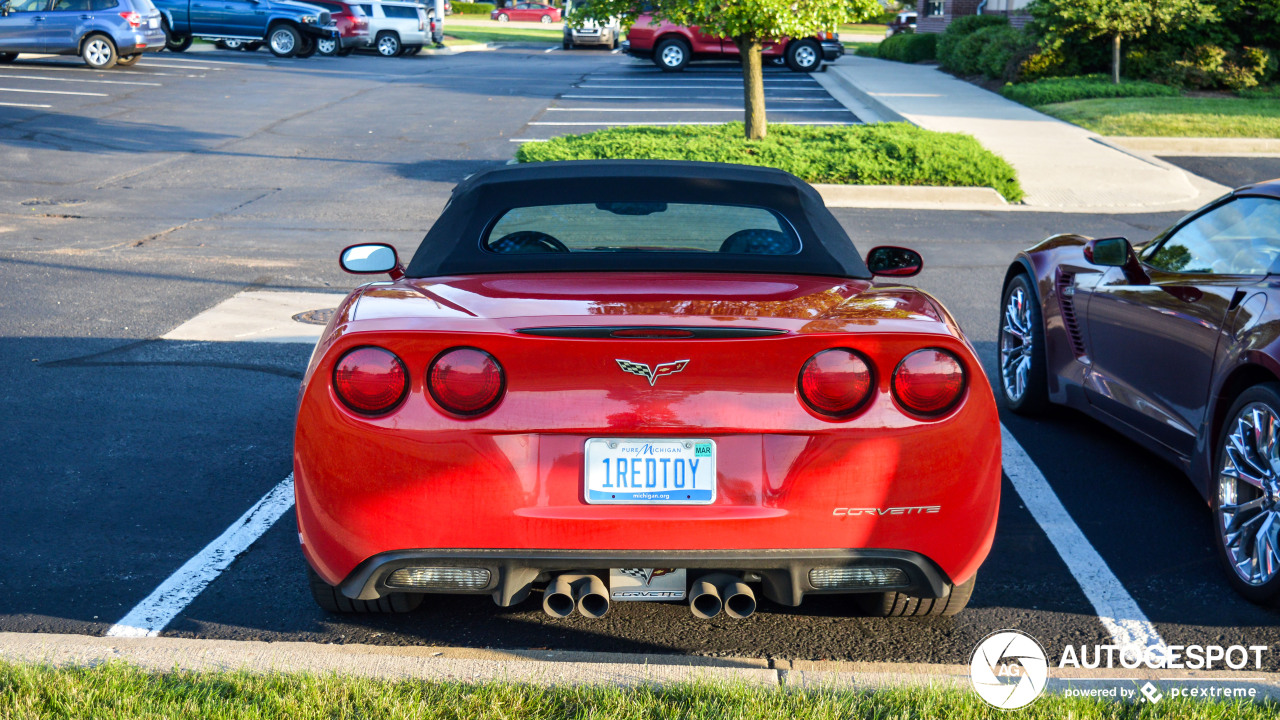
[[98, 52], [283, 42], [545, 19], [1249, 494], [388, 46], [232, 44], [326, 46], [503, 17], [806, 56], [672, 55], [1016, 344]]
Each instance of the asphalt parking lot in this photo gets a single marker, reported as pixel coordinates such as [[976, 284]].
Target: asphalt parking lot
[[126, 212]]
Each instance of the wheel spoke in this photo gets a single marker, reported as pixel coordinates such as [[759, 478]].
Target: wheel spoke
[[1243, 507]]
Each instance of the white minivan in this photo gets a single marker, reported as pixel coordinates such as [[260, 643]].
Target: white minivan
[[397, 28]]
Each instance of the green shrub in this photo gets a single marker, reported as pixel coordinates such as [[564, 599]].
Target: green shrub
[[878, 154], [1035, 63], [473, 8], [1206, 67], [908, 47], [1087, 87], [1270, 92], [961, 28], [966, 58], [1005, 43]]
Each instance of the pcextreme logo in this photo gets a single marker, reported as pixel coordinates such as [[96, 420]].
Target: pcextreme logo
[[1009, 669]]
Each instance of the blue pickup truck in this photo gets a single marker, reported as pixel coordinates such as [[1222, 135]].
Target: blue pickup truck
[[288, 29]]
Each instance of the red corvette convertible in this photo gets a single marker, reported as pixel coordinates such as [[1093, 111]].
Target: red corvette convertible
[[631, 380], [1176, 344]]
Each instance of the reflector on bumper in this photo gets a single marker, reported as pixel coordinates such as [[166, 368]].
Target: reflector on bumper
[[844, 578], [440, 578]]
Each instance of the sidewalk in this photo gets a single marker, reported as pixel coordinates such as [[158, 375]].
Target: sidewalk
[[1062, 167]]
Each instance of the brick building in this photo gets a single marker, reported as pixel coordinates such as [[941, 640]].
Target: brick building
[[935, 15]]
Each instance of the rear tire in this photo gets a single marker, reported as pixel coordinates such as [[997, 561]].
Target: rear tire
[[388, 44], [98, 52], [231, 44], [672, 55], [804, 56], [251, 47], [503, 17], [896, 604], [129, 61], [307, 49], [283, 41], [174, 42], [545, 19], [1020, 349], [327, 47], [345, 52], [331, 599]]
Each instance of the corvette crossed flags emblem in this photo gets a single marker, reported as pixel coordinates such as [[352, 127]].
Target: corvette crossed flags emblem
[[658, 371], [646, 574]]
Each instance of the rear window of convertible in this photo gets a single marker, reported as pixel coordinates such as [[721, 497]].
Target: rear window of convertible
[[642, 227]]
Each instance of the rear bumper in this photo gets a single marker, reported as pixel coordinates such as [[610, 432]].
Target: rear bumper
[[783, 574], [353, 41]]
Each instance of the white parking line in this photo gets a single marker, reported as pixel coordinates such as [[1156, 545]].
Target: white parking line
[[27, 105], [1117, 610], [53, 92], [708, 110], [549, 50], [46, 67], [676, 122], [179, 67], [158, 609], [703, 96], [80, 80], [686, 78], [815, 88]]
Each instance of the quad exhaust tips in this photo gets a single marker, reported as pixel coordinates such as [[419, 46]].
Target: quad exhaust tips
[[585, 593], [712, 593]]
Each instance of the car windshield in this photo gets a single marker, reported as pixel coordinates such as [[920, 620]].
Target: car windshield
[[642, 227]]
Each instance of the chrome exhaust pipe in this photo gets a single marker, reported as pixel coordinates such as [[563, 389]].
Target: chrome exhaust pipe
[[739, 601], [557, 599], [591, 597], [720, 591], [704, 599]]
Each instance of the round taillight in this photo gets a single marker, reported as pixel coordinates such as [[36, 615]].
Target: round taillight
[[929, 381], [466, 381], [836, 382], [370, 380]]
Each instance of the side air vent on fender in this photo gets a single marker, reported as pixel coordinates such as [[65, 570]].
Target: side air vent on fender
[[1066, 300]]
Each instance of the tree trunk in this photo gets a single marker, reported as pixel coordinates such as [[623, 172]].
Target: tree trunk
[[1115, 60], [753, 86]]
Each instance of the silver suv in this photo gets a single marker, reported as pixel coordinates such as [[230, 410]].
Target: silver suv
[[397, 28]]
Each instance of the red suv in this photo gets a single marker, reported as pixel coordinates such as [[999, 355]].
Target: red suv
[[671, 47], [353, 27]]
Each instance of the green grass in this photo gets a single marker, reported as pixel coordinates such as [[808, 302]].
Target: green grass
[[1174, 116], [116, 691], [879, 154], [866, 49], [1085, 87], [862, 29], [451, 40], [506, 33]]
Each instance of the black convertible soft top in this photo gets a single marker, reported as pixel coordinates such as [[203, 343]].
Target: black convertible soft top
[[454, 245]]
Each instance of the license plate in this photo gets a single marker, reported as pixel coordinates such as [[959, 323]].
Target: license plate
[[153, 23], [622, 471], [646, 584]]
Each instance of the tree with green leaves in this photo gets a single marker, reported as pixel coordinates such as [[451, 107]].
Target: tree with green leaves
[[749, 24], [1116, 20]]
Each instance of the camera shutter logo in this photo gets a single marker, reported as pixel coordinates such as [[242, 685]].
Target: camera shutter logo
[[1009, 669]]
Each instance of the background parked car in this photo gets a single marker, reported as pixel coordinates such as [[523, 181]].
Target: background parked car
[[289, 29], [527, 11], [905, 21], [589, 32], [396, 28], [672, 47], [104, 33], [352, 24]]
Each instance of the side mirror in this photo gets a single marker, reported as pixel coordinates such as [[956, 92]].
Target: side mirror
[[371, 258], [1117, 252], [889, 261], [1108, 252]]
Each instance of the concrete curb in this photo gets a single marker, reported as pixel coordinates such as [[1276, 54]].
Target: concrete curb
[[919, 197], [845, 86], [548, 668], [1218, 147], [459, 49]]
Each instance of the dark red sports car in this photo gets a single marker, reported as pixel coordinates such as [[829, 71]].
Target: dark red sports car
[[633, 380], [1174, 342]]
